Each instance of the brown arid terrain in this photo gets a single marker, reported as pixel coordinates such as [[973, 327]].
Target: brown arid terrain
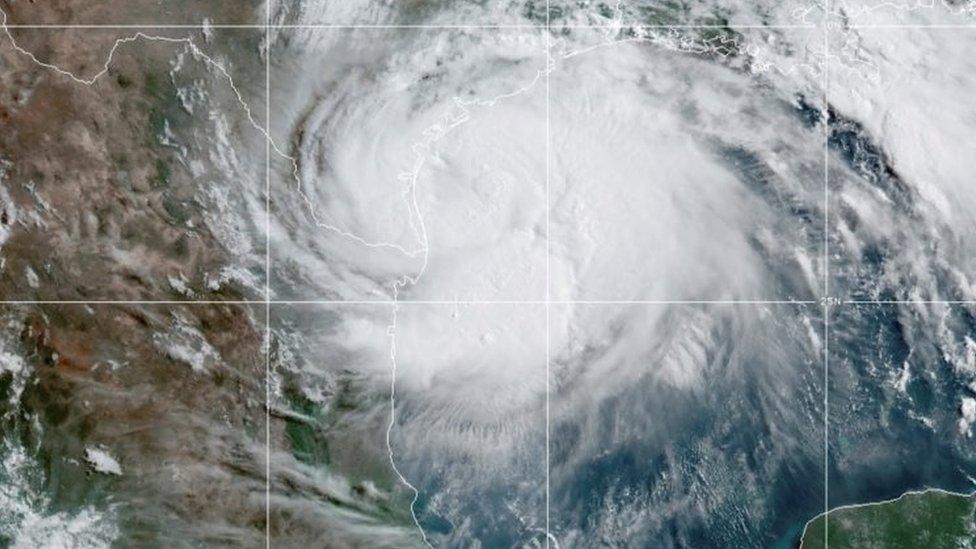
[[135, 12], [114, 190], [108, 180], [135, 349], [175, 394]]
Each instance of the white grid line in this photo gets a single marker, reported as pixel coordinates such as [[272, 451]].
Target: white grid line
[[467, 27], [549, 68], [826, 270], [276, 302], [275, 27], [413, 27], [911, 26], [267, 272], [908, 302], [543, 302], [472, 27]]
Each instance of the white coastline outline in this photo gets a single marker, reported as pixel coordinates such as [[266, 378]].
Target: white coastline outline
[[916, 492]]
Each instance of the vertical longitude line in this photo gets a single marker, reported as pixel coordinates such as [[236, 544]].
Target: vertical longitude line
[[267, 273], [826, 268], [548, 240]]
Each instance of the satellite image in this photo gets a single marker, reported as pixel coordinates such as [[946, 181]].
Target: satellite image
[[487, 274]]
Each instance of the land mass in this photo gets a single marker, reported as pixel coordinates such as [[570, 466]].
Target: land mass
[[930, 518]]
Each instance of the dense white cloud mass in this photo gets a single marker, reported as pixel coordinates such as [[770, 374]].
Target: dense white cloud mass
[[670, 165], [657, 162], [905, 119], [454, 188], [565, 191]]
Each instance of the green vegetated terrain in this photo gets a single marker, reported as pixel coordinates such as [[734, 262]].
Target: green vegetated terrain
[[930, 519]]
